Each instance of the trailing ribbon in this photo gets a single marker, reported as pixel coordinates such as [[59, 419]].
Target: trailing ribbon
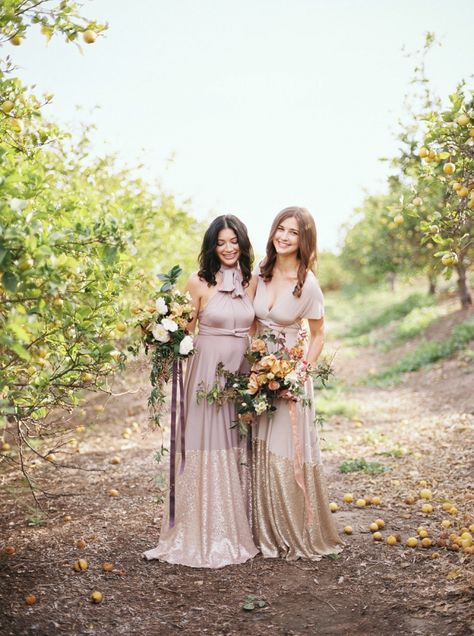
[[177, 380], [297, 463]]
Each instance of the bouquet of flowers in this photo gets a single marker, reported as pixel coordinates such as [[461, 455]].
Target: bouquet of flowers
[[163, 322], [277, 374]]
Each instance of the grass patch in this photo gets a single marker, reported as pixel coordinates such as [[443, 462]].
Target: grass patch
[[427, 352], [331, 401], [389, 314], [361, 464], [412, 325]]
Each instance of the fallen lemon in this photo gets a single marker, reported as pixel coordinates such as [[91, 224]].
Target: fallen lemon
[[80, 565], [96, 597]]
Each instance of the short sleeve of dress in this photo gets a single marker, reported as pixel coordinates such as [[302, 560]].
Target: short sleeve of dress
[[313, 298]]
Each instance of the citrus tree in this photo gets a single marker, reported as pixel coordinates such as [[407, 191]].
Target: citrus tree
[[447, 168], [81, 244]]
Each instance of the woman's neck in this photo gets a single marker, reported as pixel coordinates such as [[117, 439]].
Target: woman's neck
[[287, 266]]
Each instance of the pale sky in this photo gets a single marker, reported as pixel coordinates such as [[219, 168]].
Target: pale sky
[[262, 103]]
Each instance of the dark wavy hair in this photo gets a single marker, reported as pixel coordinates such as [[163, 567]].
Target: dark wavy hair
[[209, 263], [307, 252]]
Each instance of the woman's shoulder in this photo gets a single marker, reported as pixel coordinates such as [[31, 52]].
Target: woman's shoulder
[[311, 282], [195, 282]]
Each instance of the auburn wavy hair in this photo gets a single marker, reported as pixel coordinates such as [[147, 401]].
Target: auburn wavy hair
[[209, 263], [307, 251]]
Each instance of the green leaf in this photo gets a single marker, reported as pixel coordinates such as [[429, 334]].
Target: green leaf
[[10, 281]]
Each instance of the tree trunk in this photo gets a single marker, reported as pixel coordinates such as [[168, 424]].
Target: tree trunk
[[432, 284], [463, 290], [391, 280]]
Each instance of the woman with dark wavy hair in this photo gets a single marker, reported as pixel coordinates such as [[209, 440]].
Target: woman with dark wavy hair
[[291, 508], [212, 526]]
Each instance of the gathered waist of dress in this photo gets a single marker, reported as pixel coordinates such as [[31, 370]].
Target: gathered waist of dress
[[268, 324], [239, 332]]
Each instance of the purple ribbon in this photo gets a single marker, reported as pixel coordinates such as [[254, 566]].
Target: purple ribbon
[[177, 380]]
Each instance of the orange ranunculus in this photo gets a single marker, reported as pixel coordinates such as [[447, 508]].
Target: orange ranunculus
[[246, 418], [273, 385], [252, 386], [258, 345]]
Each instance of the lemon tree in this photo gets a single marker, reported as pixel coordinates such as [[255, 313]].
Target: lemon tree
[[81, 243]]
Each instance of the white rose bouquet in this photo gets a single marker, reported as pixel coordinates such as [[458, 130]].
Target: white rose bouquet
[[163, 322]]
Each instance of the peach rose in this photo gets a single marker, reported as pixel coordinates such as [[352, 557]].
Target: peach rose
[[258, 345], [273, 385]]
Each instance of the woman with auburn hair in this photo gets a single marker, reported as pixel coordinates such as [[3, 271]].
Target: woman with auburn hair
[[211, 525], [291, 515]]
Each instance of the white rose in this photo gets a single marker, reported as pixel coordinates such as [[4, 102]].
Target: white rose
[[186, 345], [170, 325], [160, 333], [292, 377], [161, 306]]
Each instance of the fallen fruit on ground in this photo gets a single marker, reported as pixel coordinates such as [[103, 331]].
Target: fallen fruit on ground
[[113, 492], [380, 523], [81, 544], [391, 540], [426, 494], [410, 500], [373, 527], [426, 542], [96, 597], [115, 460], [360, 503], [377, 536], [427, 508], [80, 565], [412, 542], [348, 529], [9, 549], [107, 566], [333, 506], [446, 523], [348, 498], [30, 599], [376, 501]]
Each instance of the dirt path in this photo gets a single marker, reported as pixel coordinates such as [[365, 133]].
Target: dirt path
[[421, 430]]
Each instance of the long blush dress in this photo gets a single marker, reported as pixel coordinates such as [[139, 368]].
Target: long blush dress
[[291, 516], [212, 527]]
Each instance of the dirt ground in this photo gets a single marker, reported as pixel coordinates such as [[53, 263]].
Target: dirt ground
[[421, 430]]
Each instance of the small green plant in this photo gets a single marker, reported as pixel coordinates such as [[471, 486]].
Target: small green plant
[[361, 464], [252, 602]]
